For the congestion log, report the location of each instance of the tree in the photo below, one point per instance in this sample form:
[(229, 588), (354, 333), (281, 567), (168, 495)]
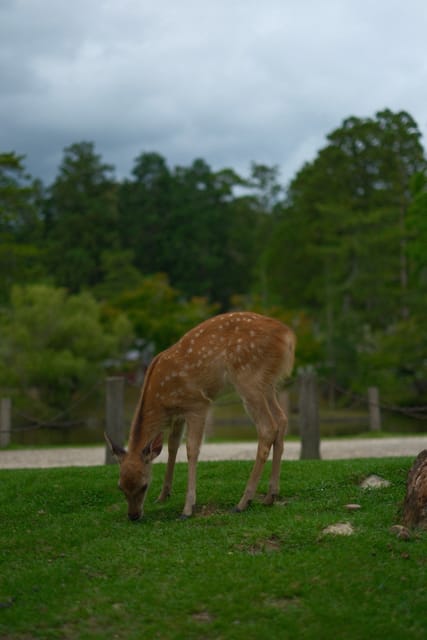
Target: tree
[(158, 312), (395, 358), (118, 274), (341, 247), (54, 344), (189, 224), (265, 187), (20, 224), (416, 241), (199, 258), (81, 218), (265, 201), (145, 208)]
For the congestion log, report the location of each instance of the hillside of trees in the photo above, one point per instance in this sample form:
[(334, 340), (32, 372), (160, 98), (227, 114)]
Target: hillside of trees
[(92, 267)]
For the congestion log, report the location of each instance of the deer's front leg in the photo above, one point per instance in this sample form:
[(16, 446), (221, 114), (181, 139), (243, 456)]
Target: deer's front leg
[(195, 429), (173, 445)]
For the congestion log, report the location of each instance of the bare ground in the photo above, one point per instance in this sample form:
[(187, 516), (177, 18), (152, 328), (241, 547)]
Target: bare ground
[(330, 449)]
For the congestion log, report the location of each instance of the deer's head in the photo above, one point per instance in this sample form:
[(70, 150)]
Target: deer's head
[(135, 473)]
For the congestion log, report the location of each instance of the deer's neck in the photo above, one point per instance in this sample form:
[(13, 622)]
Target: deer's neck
[(146, 425), (149, 418)]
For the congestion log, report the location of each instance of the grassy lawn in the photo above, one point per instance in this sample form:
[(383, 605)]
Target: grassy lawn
[(72, 566)]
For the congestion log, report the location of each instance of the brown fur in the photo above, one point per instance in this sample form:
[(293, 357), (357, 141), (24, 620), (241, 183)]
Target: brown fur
[(250, 351)]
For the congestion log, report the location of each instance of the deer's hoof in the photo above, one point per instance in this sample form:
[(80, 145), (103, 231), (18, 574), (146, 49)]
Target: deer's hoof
[(240, 508), (163, 497)]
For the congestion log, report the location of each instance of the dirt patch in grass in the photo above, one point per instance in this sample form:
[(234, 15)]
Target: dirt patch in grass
[(271, 544), (285, 603), (203, 617), (208, 510)]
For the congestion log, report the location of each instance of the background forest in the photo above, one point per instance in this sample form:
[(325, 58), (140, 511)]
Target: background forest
[(94, 270)]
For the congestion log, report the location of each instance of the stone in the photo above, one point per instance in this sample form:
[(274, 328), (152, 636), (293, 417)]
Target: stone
[(374, 482)]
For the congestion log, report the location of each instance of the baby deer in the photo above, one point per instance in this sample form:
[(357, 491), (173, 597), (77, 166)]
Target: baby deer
[(248, 350)]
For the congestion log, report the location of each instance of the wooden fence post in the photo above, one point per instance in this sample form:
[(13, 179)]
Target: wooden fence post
[(309, 416), (374, 409), (114, 412), (5, 421)]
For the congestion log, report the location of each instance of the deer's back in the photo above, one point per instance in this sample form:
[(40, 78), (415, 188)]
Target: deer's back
[(240, 348)]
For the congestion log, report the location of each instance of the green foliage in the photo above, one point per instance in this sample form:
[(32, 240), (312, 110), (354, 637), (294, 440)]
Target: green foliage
[(344, 220), (73, 566), (417, 242), (188, 223), (340, 255), (158, 313), (118, 274), (20, 225), (341, 249), (81, 218), (17, 212), (395, 360), (54, 343)]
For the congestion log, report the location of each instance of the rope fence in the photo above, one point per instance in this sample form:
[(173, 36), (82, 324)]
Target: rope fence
[(308, 401)]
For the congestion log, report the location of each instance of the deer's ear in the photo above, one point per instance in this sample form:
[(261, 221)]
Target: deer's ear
[(117, 451), (153, 448)]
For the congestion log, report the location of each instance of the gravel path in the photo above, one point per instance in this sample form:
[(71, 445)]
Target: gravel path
[(330, 449)]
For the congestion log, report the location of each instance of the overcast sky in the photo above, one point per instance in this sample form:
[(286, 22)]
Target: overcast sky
[(230, 81)]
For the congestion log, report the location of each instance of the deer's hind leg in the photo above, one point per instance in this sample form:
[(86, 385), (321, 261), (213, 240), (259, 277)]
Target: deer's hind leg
[(174, 440), (270, 431), (281, 421)]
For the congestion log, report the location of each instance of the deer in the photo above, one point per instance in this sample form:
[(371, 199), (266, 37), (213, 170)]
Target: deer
[(253, 352)]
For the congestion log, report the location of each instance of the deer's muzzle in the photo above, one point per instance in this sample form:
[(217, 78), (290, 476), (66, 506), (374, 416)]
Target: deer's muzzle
[(134, 516)]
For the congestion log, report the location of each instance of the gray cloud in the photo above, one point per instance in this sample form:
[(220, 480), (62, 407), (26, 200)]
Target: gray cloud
[(232, 81)]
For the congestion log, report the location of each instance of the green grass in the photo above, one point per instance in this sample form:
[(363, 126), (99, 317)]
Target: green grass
[(72, 566)]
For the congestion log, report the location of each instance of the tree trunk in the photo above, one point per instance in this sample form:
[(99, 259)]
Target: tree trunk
[(415, 504)]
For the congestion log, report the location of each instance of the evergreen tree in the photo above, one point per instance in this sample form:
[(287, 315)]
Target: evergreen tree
[(81, 218), (145, 204), (341, 247), (189, 224), (20, 224)]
